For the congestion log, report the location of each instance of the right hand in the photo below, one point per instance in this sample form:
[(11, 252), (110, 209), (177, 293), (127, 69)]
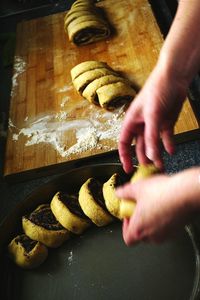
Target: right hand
[(151, 115)]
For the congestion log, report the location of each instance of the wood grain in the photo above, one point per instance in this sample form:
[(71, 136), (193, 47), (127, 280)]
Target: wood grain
[(43, 96)]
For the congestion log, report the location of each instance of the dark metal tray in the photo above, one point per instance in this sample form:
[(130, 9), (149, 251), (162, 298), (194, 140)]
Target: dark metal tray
[(97, 264)]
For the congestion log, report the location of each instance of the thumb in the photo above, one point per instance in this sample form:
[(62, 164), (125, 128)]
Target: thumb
[(127, 191)]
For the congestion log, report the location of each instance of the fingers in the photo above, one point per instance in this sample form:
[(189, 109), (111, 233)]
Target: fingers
[(140, 150), (168, 142), (152, 141), (128, 133)]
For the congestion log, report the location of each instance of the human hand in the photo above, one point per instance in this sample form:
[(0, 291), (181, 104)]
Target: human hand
[(152, 115), (163, 204)]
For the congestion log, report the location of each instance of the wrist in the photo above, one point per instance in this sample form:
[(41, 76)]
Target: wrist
[(188, 192)]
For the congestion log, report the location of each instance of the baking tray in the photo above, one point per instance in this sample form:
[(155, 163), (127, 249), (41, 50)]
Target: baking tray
[(97, 264)]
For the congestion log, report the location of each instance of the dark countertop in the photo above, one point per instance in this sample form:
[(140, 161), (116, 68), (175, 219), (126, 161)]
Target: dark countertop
[(187, 154)]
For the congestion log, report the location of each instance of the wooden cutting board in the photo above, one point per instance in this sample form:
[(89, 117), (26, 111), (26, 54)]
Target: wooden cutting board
[(49, 122)]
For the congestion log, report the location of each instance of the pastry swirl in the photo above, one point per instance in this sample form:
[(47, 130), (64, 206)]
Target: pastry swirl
[(93, 204), (27, 253), (42, 226), (68, 212)]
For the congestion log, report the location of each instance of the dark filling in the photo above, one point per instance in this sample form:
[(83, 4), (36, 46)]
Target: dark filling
[(84, 35), (95, 188), (118, 101), (118, 181), (71, 202), (45, 218), (26, 242)]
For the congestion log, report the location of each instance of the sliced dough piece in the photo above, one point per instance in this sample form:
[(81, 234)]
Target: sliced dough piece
[(127, 206), (111, 200), (75, 15), (90, 91), (82, 2), (82, 19), (87, 66), (42, 226), (84, 79), (88, 32), (93, 204), (26, 253), (68, 212), (115, 94)]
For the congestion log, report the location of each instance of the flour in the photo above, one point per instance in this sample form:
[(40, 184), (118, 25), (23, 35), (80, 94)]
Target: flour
[(88, 133), (65, 88), (19, 67), (70, 258)]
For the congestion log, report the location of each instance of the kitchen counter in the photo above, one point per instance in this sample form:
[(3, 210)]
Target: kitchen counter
[(187, 154)]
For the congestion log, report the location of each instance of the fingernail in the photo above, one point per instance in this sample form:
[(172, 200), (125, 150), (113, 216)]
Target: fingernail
[(150, 153)]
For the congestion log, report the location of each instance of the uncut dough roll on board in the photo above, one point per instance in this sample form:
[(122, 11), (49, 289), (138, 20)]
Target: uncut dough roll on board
[(88, 26), (68, 212), (93, 204), (27, 253), (42, 226), (101, 85)]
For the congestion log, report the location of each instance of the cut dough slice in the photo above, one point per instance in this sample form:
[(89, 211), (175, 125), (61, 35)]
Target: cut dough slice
[(68, 212), (26, 253), (127, 206), (87, 66), (90, 91), (115, 94), (83, 19), (75, 15), (85, 78), (42, 226), (111, 200), (88, 32), (82, 2), (93, 204)]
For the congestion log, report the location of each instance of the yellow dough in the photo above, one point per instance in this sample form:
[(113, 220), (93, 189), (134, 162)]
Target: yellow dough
[(115, 94), (93, 204), (101, 85), (88, 25), (86, 66), (90, 91), (42, 226), (143, 171), (81, 82), (68, 212), (111, 200), (26, 253)]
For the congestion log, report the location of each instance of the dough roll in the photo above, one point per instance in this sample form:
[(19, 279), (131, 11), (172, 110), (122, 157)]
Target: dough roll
[(84, 79), (85, 23), (115, 94)]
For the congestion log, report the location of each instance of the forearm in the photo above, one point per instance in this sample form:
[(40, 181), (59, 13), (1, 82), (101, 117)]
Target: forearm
[(188, 189), (180, 55)]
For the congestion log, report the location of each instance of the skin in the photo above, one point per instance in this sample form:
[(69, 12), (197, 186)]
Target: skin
[(151, 116)]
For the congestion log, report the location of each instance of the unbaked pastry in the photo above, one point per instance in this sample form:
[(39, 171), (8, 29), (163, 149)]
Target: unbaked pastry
[(88, 26), (26, 253), (115, 94), (93, 204), (111, 200), (101, 85), (68, 212), (81, 82), (87, 66), (90, 91), (42, 226), (127, 206)]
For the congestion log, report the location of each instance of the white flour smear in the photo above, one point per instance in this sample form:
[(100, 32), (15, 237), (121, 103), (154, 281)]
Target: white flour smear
[(18, 68), (87, 133)]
